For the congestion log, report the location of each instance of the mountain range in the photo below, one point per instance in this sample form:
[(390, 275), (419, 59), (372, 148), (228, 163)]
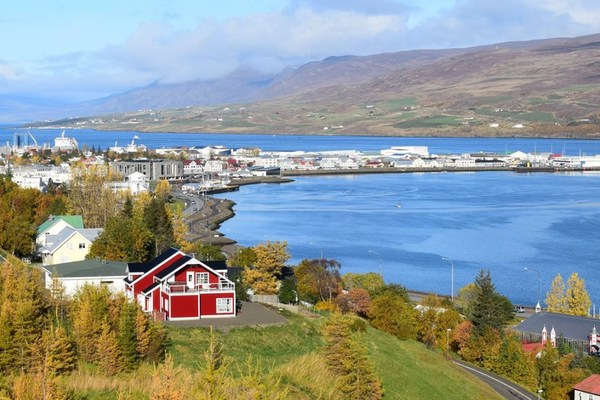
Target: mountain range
[(539, 87)]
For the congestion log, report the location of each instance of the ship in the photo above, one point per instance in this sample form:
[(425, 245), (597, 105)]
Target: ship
[(130, 148), (65, 143)]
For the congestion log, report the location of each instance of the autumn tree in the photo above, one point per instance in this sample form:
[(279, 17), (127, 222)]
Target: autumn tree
[(577, 297), (356, 301), (370, 281), (392, 313), (318, 279), (24, 313), (434, 318), (90, 195), (346, 357), (243, 257), (555, 298), (270, 259)]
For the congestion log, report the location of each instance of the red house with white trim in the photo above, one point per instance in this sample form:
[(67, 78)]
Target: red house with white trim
[(175, 286)]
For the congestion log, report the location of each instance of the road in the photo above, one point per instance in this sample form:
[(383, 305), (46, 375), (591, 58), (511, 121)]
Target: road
[(505, 388)]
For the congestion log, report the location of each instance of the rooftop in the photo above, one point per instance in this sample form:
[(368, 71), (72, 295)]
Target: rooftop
[(88, 268), (567, 326), (591, 385)]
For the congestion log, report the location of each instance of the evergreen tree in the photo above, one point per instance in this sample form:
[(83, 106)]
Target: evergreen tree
[(61, 357), (158, 222), (127, 335), (555, 298), (490, 309), (578, 299), (288, 292)]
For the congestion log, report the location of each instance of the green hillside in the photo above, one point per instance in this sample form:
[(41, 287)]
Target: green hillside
[(407, 368)]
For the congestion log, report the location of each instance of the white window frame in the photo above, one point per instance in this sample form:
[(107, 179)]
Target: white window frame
[(202, 279), (224, 305)]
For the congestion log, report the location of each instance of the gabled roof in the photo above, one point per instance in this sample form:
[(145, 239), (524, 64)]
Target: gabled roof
[(150, 288), (567, 326), (216, 265), (173, 267), (141, 268), (591, 384), (53, 242), (75, 221), (88, 269)]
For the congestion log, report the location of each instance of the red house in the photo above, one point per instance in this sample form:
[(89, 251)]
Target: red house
[(175, 286)]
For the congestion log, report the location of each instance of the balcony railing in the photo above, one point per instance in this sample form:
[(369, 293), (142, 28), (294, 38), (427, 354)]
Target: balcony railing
[(182, 287)]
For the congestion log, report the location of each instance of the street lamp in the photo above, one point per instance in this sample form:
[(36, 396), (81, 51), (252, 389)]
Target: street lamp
[(447, 341), (451, 277), (379, 255), (538, 307), (321, 247)]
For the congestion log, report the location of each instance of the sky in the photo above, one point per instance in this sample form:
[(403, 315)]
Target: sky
[(73, 50)]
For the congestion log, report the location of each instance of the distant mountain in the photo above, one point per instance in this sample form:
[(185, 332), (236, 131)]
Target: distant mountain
[(557, 78)]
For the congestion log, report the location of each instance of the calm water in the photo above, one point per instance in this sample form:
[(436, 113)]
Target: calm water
[(497, 220), (103, 140)]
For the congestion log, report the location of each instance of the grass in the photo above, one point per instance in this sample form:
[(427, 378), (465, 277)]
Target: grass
[(435, 121), (407, 368)]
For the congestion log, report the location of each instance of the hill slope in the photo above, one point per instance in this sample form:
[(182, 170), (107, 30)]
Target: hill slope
[(548, 87)]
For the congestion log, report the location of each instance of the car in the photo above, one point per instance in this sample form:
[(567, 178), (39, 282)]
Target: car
[(519, 309)]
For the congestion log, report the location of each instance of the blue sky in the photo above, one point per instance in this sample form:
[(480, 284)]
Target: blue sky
[(77, 50)]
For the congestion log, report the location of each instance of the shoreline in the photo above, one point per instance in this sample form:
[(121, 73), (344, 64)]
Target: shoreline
[(205, 224)]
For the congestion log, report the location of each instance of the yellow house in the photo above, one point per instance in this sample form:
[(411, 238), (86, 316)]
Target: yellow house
[(68, 245)]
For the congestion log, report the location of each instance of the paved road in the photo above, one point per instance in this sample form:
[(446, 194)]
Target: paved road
[(252, 314), (506, 389)]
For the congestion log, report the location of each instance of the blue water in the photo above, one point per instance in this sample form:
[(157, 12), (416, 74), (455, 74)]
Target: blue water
[(501, 221), (104, 139)]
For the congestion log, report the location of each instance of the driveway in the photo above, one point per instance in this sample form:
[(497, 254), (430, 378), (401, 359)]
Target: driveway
[(252, 314)]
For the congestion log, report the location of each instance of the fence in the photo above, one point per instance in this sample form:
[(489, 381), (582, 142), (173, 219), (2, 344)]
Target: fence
[(272, 300)]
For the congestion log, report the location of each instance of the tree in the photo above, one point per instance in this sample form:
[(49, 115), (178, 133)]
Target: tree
[(158, 222), (244, 257), (370, 281), (578, 299), (346, 358), (288, 291), (208, 252), (357, 301), (318, 279), (270, 259), (490, 309), (555, 298), (391, 313)]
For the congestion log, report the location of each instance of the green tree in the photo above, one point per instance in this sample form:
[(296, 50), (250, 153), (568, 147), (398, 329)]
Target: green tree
[(288, 291), (578, 299), (555, 298), (208, 252), (243, 257), (127, 334), (158, 222), (491, 310), (515, 364)]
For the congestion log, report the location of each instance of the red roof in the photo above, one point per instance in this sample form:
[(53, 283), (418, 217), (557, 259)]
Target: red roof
[(533, 348), (591, 385)]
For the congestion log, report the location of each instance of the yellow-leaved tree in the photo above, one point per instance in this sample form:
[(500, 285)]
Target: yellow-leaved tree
[(578, 299), (555, 298), (270, 259)]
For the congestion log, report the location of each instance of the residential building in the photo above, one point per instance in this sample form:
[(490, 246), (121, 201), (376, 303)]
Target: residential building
[(176, 286), (73, 275), (68, 245), (54, 224), (154, 170), (587, 389)]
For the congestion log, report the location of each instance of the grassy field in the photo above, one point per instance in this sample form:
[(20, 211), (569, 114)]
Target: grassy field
[(407, 368)]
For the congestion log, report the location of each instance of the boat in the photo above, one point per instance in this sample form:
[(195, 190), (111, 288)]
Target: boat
[(398, 205), (130, 148), (65, 143)]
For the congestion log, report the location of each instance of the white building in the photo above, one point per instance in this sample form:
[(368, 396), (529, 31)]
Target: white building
[(73, 275), (214, 166)]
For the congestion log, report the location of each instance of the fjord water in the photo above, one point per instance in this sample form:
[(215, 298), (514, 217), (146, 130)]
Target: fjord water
[(500, 221)]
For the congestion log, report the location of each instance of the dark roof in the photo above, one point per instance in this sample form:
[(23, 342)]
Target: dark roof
[(151, 288), (567, 326), (173, 267), (215, 265), (147, 266), (88, 269)]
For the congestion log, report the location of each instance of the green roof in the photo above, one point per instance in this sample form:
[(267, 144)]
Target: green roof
[(76, 222), (88, 269)]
